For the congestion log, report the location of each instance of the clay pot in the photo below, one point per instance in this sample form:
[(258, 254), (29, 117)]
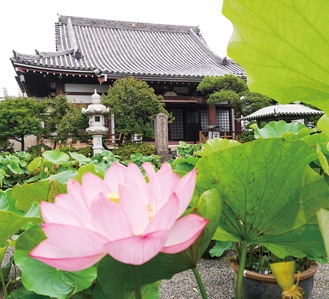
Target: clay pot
[(262, 286)]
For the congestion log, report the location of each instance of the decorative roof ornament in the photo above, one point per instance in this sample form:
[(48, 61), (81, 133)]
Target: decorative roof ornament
[(73, 40), (96, 98)]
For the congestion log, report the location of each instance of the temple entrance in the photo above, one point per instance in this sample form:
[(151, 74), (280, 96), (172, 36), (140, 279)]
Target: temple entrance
[(192, 126), (186, 125)]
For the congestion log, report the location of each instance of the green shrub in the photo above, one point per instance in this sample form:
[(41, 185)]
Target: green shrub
[(139, 159), (246, 136), (5, 145), (67, 149), (86, 151), (126, 150), (36, 150), (184, 149)]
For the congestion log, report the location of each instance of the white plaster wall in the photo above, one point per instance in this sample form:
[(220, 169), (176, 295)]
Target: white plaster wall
[(29, 141)]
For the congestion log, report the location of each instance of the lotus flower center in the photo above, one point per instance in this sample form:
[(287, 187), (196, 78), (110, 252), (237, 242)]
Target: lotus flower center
[(114, 196)]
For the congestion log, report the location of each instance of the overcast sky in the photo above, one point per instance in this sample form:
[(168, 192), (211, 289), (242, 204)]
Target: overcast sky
[(27, 25)]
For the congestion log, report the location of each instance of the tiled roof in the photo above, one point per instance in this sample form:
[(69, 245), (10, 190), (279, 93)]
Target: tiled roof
[(282, 110), (129, 48)]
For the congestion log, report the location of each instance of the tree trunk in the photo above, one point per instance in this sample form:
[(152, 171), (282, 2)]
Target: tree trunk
[(22, 143)]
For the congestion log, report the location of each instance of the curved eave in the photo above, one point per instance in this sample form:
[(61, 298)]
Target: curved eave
[(112, 75), (36, 68), (278, 115)]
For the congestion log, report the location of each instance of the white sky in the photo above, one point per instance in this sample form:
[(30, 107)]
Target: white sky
[(27, 25)]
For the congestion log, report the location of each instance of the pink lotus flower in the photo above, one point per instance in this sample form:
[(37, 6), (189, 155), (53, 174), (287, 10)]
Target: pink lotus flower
[(124, 215)]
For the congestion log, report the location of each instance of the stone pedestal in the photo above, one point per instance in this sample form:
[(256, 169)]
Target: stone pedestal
[(97, 144)]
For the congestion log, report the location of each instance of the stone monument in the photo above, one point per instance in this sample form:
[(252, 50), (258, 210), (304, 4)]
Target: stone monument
[(96, 111), (161, 136)]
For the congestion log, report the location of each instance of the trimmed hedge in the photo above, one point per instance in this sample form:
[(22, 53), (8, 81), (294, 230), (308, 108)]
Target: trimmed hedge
[(126, 150)]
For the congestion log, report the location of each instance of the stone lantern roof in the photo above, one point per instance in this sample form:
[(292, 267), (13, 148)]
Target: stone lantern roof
[(96, 106)]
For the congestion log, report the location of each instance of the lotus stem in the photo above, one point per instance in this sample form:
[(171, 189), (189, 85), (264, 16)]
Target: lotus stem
[(200, 283), (242, 263), (4, 287), (137, 284)]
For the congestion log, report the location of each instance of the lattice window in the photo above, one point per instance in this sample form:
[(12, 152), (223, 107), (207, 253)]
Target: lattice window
[(223, 119), (204, 119), (176, 129)]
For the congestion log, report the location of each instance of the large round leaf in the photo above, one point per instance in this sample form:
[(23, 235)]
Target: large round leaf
[(45, 280), (56, 156), (10, 223), (269, 193), (283, 47), (323, 218), (25, 195)]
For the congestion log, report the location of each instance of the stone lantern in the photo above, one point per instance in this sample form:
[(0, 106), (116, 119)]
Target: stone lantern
[(96, 111)]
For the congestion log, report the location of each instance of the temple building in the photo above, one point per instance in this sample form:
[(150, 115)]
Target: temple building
[(92, 53)]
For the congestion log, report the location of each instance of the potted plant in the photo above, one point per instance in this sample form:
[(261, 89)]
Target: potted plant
[(270, 196), (259, 280), (260, 260)]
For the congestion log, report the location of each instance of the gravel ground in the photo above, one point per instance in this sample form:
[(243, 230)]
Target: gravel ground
[(219, 282), (218, 278)]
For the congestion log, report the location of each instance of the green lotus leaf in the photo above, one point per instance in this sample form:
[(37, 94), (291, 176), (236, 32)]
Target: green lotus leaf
[(23, 155), (43, 279), (10, 224), (4, 205), (82, 159), (63, 176), (184, 165), (35, 164), (93, 168), (26, 194), (22, 293), (268, 191), (323, 124), (217, 144), (220, 247), (280, 128), (14, 167), (283, 47), (323, 218), (56, 156)]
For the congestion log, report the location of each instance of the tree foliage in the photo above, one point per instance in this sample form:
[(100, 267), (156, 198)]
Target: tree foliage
[(211, 84), (250, 102), (65, 119), (224, 96), (20, 117), (134, 105), (57, 108), (74, 124), (233, 90)]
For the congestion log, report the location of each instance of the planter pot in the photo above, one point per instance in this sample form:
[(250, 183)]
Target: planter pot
[(261, 286)]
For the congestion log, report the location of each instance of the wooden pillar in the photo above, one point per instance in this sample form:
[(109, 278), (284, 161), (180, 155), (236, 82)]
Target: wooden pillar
[(238, 127), (60, 89), (211, 114)]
